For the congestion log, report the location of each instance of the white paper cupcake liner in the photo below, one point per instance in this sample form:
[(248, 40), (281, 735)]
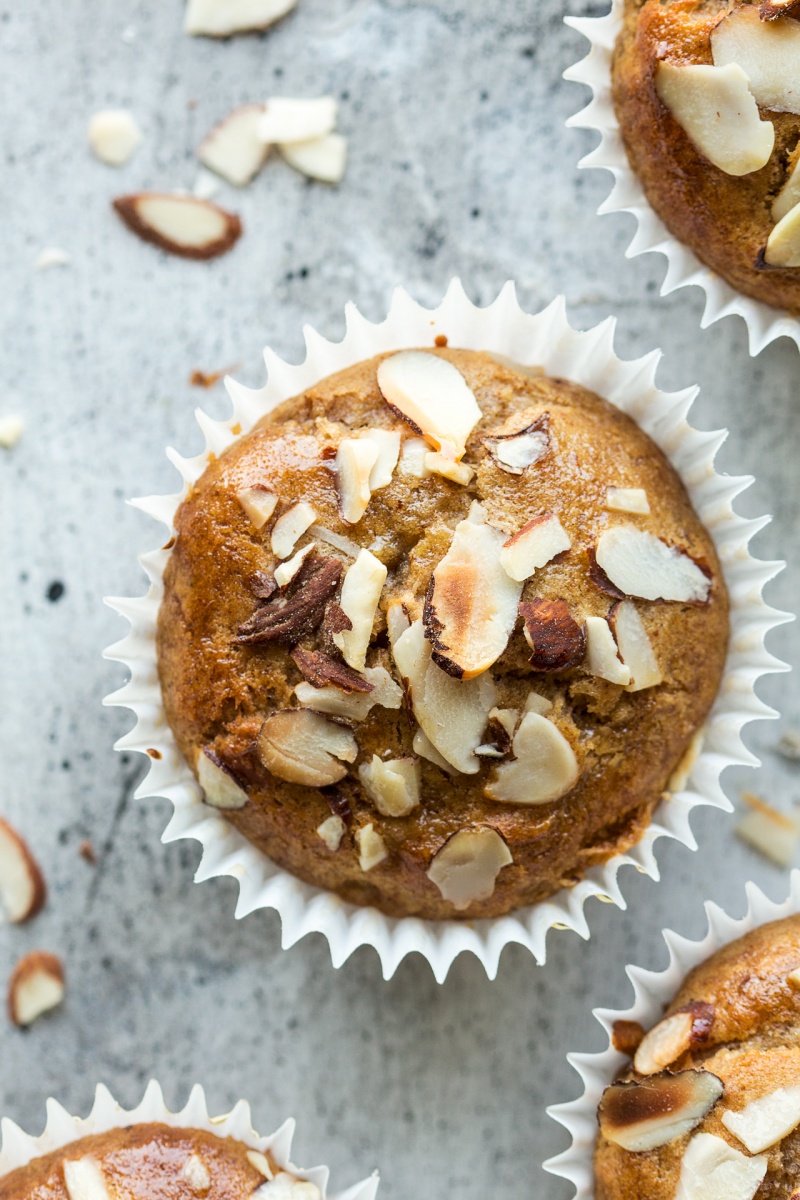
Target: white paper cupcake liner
[(653, 990), (19, 1148), (684, 269), (545, 340)]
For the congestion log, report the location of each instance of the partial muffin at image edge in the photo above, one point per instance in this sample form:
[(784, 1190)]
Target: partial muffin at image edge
[(437, 633), (708, 101), (711, 1098)]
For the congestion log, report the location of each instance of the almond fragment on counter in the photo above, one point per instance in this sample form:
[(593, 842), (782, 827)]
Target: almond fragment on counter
[(290, 527), (432, 396), (630, 500), (286, 119), (353, 706), (634, 645), (84, 1179), (466, 867), (766, 52), (180, 224), (642, 565), (232, 149), (332, 831), (287, 571), (673, 1036), (642, 1115), (602, 655), (301, 746), (11, 429), (515, 452), (355, 460), (361, 591), (223, 18), (54, 256), (371, 847), (557, 640), (712, 1168), (322, 158), (36, 986), (259, 502), (113, 136), (544, 769), (774, 834), (22, 887), (221, 788), (534, 546), (765, 1121), (392, 784)]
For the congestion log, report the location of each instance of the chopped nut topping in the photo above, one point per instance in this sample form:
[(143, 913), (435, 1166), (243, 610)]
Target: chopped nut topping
[(639, 564), (195, 1172), (437, 463), (290, 527), (466, 867), (285, 573), (258, 502), (710, 1163), (356, 459), (361, 592), (392, 786), (84, 1179), (332, 831), (352, 706), (631, 500), (432, 396), (534, 546), (642, 1115), (371, 847), (298, 611), (557, 640), (260, 1162), (221, 788), (602, 655), (626, 1037), (302, 747), (319, 668), (515, 452), (544, 769), (765, 1121), (667, 1041), (634, 645)]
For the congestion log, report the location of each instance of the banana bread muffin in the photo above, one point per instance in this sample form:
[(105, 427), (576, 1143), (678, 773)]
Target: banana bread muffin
[(710, 1106), (149, 1160), (436, 634), (707, 93)]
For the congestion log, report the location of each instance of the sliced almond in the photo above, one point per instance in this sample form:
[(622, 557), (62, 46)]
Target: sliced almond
[(113, 136), (640, 1116), (507, 718), (397, 621), (221, 788), (765, 1121), (537, 704), (793, 979), (290, 120), (332, 831), (413, 454), (322, 158), (602, 655), (388, 443), (432, 396), (640, 564), (635, 647), (371, 847), (770, 10), (261, 1163), (287, 571), (437, 463), (22, 887), (789, 195), (180, 224), (353, 706), (471, 607), (452, 713), (713, 1170), (345, 544), (392, 785), (673, 1036), (355, 461), (424, 748), (544, 769), (631, 500), (465, 869), (290, 527), (84, 1179), (195, 1172), (223, 18), (557, 640), (783, 244), (302, 747), (766, 52), (774, 834), (259, 502), (36, 986), (515, 452), (233, 149), (361, 592), (715, 107), (534, 546)]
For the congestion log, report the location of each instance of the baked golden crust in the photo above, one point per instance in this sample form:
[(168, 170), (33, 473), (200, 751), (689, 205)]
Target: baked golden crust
[(725, 220), (217, 693), (753, 1046)]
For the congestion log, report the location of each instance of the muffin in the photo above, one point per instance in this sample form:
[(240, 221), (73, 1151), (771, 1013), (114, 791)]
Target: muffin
[(436, 634), (707, 94), (153, 1159), (710, 1105)]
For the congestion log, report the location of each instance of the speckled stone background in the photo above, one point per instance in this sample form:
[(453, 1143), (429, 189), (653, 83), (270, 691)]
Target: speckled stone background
[(460, 164)]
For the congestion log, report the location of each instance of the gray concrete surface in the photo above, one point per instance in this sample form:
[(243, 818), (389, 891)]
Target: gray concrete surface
[(460, 163)]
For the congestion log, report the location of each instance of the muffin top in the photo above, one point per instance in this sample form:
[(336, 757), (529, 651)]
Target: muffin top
[(712, 1097), (403, 640), (145, 1161), (707, 93)]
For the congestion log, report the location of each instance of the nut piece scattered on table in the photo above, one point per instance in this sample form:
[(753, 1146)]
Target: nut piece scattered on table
[(113, 136), (22, 887), (36, 986), (224, 18), (180, 224)]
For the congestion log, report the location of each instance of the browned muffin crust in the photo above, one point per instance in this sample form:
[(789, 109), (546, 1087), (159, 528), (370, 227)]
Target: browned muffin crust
[(751, 1043), (725, 220), (217, 692)]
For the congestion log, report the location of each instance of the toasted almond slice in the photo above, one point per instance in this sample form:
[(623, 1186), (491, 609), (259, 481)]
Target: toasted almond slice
[(424, 748), (544, 769), (466, 867), (180, 224), (765, 1121), (767, 53), (631, 500), (774, 834), (223, 18), (673, 1036), (355, 461), (36, 986), (789, 195), (296, 120), (533, 546), (232, 148), (322, 158), (437, 463), (640, 1116), (290, 527), (84, 1179), (635, 647), (285, 573), (392, 785), (602, 657), (515, 452), (353, 706), (371, 847), (471, 607), (537, 704), (432, 396), (716, 109), (557, 640), (259, 502), (22, 887), (195, 1172), (713, 1170), (361, 592), (113, 136), (783, 244), (640, 564), (300, 746), (413, 453), (221, 788), (388, 443), (332, 831), (770, 10), (452, 713)]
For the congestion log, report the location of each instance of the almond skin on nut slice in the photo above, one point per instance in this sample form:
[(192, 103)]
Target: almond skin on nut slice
[(515, 452), (466, 867), (223, 18), (299, 610), (544, 768), (602, 653), (361, 591), (36, 986), (432, 396), (232, 148), (634, 646), (770, 10), (353, 706), (641, 1115), (557, 640), (767, 52), (22, 887), (713, 1170), (667, 1041), (640, 564), (221, 788), (471, 606), (300, 746), (534, 546), (180, 224)]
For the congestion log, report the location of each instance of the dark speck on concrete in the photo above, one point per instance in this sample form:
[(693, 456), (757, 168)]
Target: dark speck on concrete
[(55, 591)]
